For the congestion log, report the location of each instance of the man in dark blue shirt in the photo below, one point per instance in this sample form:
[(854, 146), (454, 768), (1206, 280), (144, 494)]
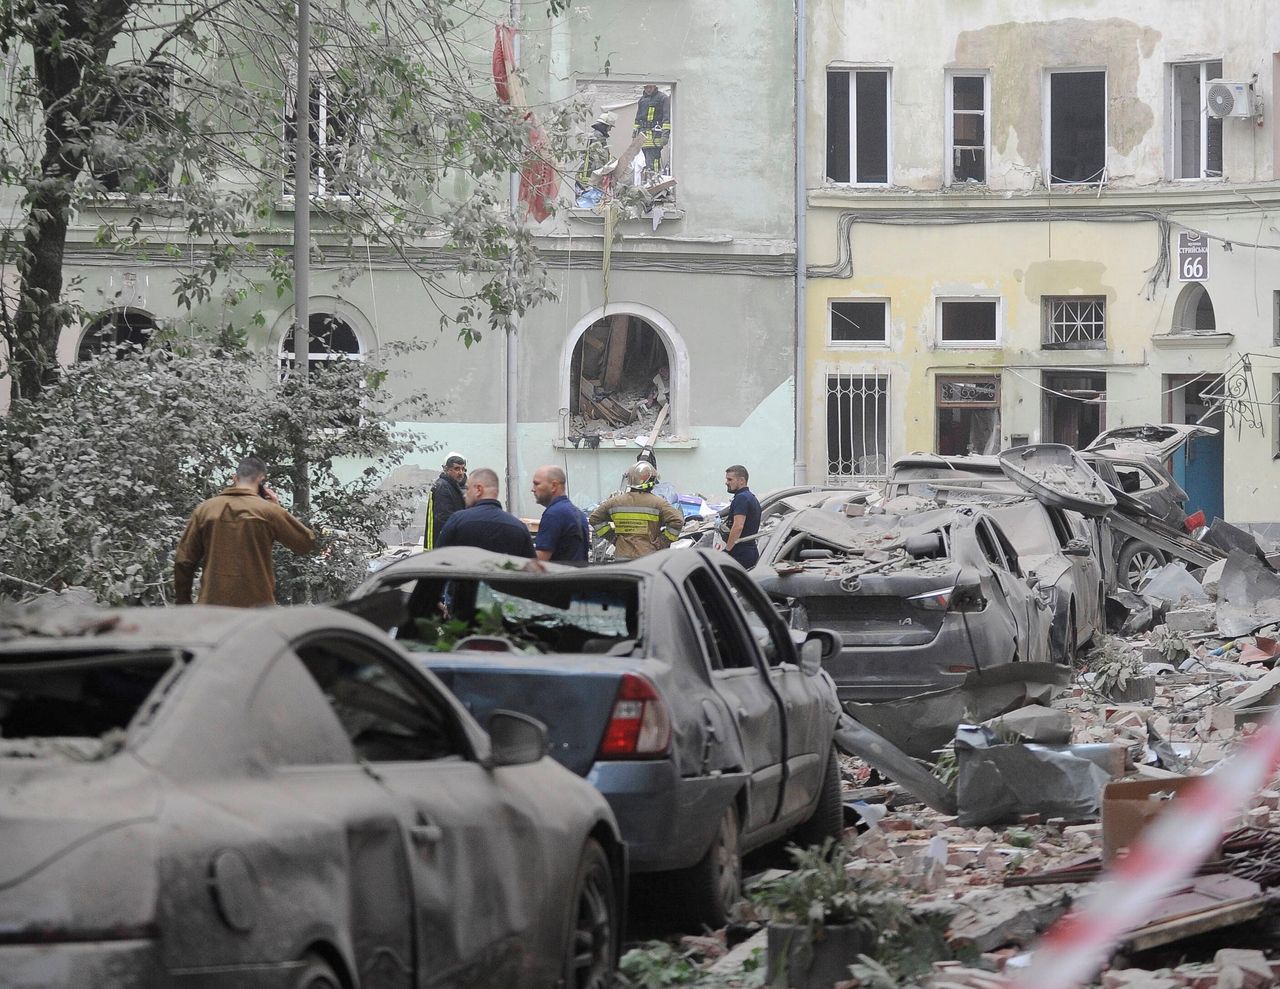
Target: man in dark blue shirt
[(483, 523), (562, 532), (744, 517)]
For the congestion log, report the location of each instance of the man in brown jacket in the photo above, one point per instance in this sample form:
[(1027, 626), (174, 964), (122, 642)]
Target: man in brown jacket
[(230, 536), (637, 521)]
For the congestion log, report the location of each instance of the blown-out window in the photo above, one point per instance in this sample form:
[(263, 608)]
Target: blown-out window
[(333, 135), (858, 126), (1077, 127), (968, 135), (968, 415)]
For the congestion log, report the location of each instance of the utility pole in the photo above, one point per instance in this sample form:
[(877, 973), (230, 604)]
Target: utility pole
[(302, 238), (512, 352)]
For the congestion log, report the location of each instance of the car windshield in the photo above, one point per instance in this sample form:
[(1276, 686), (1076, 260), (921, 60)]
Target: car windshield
[(1028, 527), (532, 614), (78, 705)]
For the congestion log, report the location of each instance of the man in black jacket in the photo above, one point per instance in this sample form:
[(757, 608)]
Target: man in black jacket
[(445, 498), (483, 523), (653, 123)]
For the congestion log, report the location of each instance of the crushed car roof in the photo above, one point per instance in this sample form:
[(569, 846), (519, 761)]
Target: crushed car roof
[(42, 623)]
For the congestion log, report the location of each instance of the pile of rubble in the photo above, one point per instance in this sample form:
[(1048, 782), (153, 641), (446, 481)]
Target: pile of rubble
[(1002, 824)]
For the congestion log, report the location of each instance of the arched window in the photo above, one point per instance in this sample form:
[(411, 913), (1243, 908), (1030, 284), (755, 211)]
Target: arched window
[(1193, 312), (620, 377), (331, 339), (119, 328)]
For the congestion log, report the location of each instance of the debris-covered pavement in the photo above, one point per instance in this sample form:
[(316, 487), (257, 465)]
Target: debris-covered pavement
[(1042, 784)]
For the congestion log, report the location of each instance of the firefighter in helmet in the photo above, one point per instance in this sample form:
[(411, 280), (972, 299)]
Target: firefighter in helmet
[(637, 521)]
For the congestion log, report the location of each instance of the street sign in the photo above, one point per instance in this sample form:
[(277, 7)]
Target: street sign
[(1193, 257)]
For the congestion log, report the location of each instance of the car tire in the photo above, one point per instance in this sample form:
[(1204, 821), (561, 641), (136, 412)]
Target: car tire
[(1136, 558), (316, 973), (591, 943), (827, 820), (706, 891)]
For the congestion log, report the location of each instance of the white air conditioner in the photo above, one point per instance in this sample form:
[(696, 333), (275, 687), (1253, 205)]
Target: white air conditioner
[(1229, 99)]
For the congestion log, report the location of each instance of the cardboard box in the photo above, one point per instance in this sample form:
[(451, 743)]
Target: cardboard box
[(1127, 809)]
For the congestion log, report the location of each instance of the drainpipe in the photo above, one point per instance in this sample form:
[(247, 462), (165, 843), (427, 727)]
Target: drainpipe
[(512, 335), (801, 468)]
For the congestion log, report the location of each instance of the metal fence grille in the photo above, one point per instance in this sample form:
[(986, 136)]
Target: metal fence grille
[(1078, 322), (857, 426)]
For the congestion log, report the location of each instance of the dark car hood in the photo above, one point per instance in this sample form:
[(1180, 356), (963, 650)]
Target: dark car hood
[(48, 808)]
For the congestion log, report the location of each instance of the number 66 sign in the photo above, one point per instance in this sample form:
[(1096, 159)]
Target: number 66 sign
[(1193, 257)]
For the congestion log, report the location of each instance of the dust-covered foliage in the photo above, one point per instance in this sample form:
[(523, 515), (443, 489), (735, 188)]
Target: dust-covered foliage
[(98, 477)]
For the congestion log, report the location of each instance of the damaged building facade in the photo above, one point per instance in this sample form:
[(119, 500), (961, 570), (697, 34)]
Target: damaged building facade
[(1031, 224)]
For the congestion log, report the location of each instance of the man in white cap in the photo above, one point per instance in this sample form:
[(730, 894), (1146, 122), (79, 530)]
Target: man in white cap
[(445, 498)]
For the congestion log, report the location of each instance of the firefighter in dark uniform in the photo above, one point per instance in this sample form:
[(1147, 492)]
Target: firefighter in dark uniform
[(597, 153), (653, 123)]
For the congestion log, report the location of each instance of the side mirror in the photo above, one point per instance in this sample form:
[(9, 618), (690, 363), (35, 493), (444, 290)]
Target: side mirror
[(1076, 547), (820, 646), (516, 739)]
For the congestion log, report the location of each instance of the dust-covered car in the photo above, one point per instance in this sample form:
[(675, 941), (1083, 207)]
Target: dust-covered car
[(920, 599), (669, 682), (217, 797)]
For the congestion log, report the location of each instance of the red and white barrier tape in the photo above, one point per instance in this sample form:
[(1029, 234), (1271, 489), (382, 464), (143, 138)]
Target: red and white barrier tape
[(1167, 853)]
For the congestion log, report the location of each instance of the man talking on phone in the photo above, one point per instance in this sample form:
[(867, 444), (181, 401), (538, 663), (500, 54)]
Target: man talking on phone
[(229, 539)]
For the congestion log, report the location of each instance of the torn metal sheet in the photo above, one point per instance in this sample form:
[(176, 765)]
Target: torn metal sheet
[(1248, 595), (997, 781), (922, 724), (887, 759), (1056, 475), (1033, 723)]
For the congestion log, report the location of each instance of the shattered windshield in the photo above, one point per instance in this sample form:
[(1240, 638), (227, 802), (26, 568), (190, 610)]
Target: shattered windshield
[(78, 705)]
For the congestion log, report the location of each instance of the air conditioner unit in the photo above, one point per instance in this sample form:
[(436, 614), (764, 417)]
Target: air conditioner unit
[(1229, 99)]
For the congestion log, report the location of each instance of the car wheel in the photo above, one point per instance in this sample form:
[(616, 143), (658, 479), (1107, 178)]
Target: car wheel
[(708, 889), (316, 973), (1136, 560), (591, 946), (828, 817)]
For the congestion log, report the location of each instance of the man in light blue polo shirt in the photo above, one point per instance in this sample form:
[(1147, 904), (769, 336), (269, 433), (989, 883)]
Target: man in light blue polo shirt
[(562, 531)]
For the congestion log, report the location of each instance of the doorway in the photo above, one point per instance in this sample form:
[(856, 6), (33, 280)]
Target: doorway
[(1197, 467), (1074, 407)]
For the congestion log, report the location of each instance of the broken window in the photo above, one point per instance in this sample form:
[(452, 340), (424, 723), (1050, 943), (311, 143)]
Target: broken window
[(1073, 410), (125, 155), (858, 126), (1193, 312), (1074, 322), (1197, 138), (124, 329), (629, 141), (333, 134), (859, 321), (857, 426), (967, 136), (620, 378), (968, 415), (331, 339), (1077, 127), (969, 322)]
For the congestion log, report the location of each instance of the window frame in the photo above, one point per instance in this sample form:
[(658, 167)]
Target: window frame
[(848, 72), (286, 357), (949, 148), (1047, 304), (883, 383), (1175, 124), (939, 403), (994, 344), (834, 344), (1047, 118), (324, 84)]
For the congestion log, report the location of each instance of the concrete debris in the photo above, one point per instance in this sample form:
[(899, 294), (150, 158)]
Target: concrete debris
[(1171, 585), (987, 919), (1248, 596), (1213, 578), (1198, 619), (1033, 723)]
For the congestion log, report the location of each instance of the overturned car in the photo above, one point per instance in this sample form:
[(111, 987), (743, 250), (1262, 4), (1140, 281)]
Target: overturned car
[(920, 598)]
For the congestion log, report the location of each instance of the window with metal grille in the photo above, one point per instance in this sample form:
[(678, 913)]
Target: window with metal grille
[(1076, 322), (857, 426)]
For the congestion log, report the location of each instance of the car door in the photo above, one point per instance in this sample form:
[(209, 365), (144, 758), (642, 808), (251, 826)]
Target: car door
[(740, 678), (806, 722), (475, 866), (1086, 569), (1038, 610), (1000, 586)]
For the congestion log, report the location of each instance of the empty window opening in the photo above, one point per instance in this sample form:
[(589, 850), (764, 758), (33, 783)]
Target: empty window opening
[(1197, 137), (969, 321), (333, 136), (331, 339), (1077, 127), (858, 126), (1074, 322), (968, 415), (128, 153), (857, 426), (1193, 312), (1074, 406), (859, 321), (124, 330), (620, 378), (967, 123)]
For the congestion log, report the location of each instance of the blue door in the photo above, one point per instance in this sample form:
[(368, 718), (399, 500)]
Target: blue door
[(1198, 468)]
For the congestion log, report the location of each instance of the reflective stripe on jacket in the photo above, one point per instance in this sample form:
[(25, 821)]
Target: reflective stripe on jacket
[(653, 119), (638, 522)]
